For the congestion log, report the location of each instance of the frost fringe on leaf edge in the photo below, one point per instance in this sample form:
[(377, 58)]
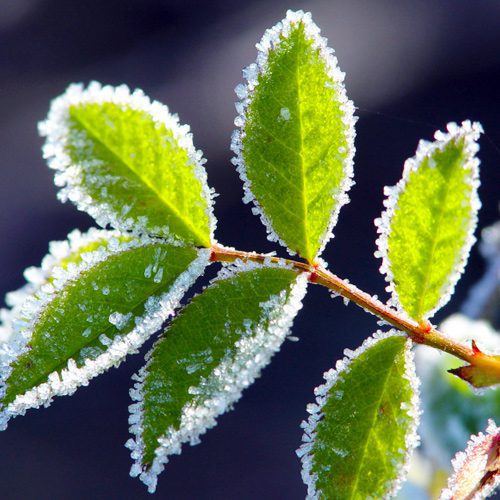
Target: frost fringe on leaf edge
[(244, 91), (461, 458), (38, 276), (158, 309), (412, 439), (470, 132), (195, 421), (68, 177)]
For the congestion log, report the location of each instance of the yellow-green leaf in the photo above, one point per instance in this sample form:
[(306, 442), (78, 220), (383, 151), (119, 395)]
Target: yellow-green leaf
[(296, 139), (129, 163), (427, 229)]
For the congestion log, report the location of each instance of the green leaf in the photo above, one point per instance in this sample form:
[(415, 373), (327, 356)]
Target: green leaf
[(427, 228), (87, 311), (127, 162), (477, 469), (362, 428), (62, 254), (214, 349), (296, 139)]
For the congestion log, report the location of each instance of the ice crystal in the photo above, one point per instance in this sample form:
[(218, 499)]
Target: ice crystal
[(477, 469), (25, 313)]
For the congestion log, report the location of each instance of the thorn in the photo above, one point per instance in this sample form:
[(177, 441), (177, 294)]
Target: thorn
[(313, 277), (213, 254), (476, 376), (475, 348)]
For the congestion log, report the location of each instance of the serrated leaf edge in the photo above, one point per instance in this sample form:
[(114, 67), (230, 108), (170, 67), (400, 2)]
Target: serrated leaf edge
[(342, 366), (461, 458), (158, 309), (230, 379), (244, 91), (69, 176), (470, 132)]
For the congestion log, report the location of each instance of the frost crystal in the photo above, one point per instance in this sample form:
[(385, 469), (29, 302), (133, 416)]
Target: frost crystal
[(270, 41), (321, 392), (70, 176), (477, 470), (285, 114), (222, 388), (229, 269), (31, 301), (469, 132)]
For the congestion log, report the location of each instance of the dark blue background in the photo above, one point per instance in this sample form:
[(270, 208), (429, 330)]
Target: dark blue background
[(411, 67)]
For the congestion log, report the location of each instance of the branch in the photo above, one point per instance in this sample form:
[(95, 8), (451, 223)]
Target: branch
[(487, 366)]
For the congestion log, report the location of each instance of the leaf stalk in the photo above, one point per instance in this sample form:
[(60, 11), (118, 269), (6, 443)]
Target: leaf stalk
[(421, 333)]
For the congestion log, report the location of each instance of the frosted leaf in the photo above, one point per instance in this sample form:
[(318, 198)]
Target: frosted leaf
[(198, 370), (362, 427), (477, 469), (61, 254), (127, 161), (279, 123), (63, 333), (426, 230)]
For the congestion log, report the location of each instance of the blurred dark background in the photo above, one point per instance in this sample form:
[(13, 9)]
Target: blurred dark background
[(411, 67)]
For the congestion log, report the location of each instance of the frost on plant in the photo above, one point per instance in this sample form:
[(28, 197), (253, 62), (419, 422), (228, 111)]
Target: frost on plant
[(427, 229), (193, 376), (79, 320), (293, 134), (99, 296), (362, 427), (128, 162), (477, 469)]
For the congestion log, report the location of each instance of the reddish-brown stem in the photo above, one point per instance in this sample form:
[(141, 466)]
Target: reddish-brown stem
[(421, 333)]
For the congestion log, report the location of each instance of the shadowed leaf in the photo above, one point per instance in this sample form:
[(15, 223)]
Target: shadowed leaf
[(362, 428), (89, 314), (214, 349)]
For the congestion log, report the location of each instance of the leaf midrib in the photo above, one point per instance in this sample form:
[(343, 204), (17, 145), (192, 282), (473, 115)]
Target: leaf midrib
[(185, 222), (307, 252)]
